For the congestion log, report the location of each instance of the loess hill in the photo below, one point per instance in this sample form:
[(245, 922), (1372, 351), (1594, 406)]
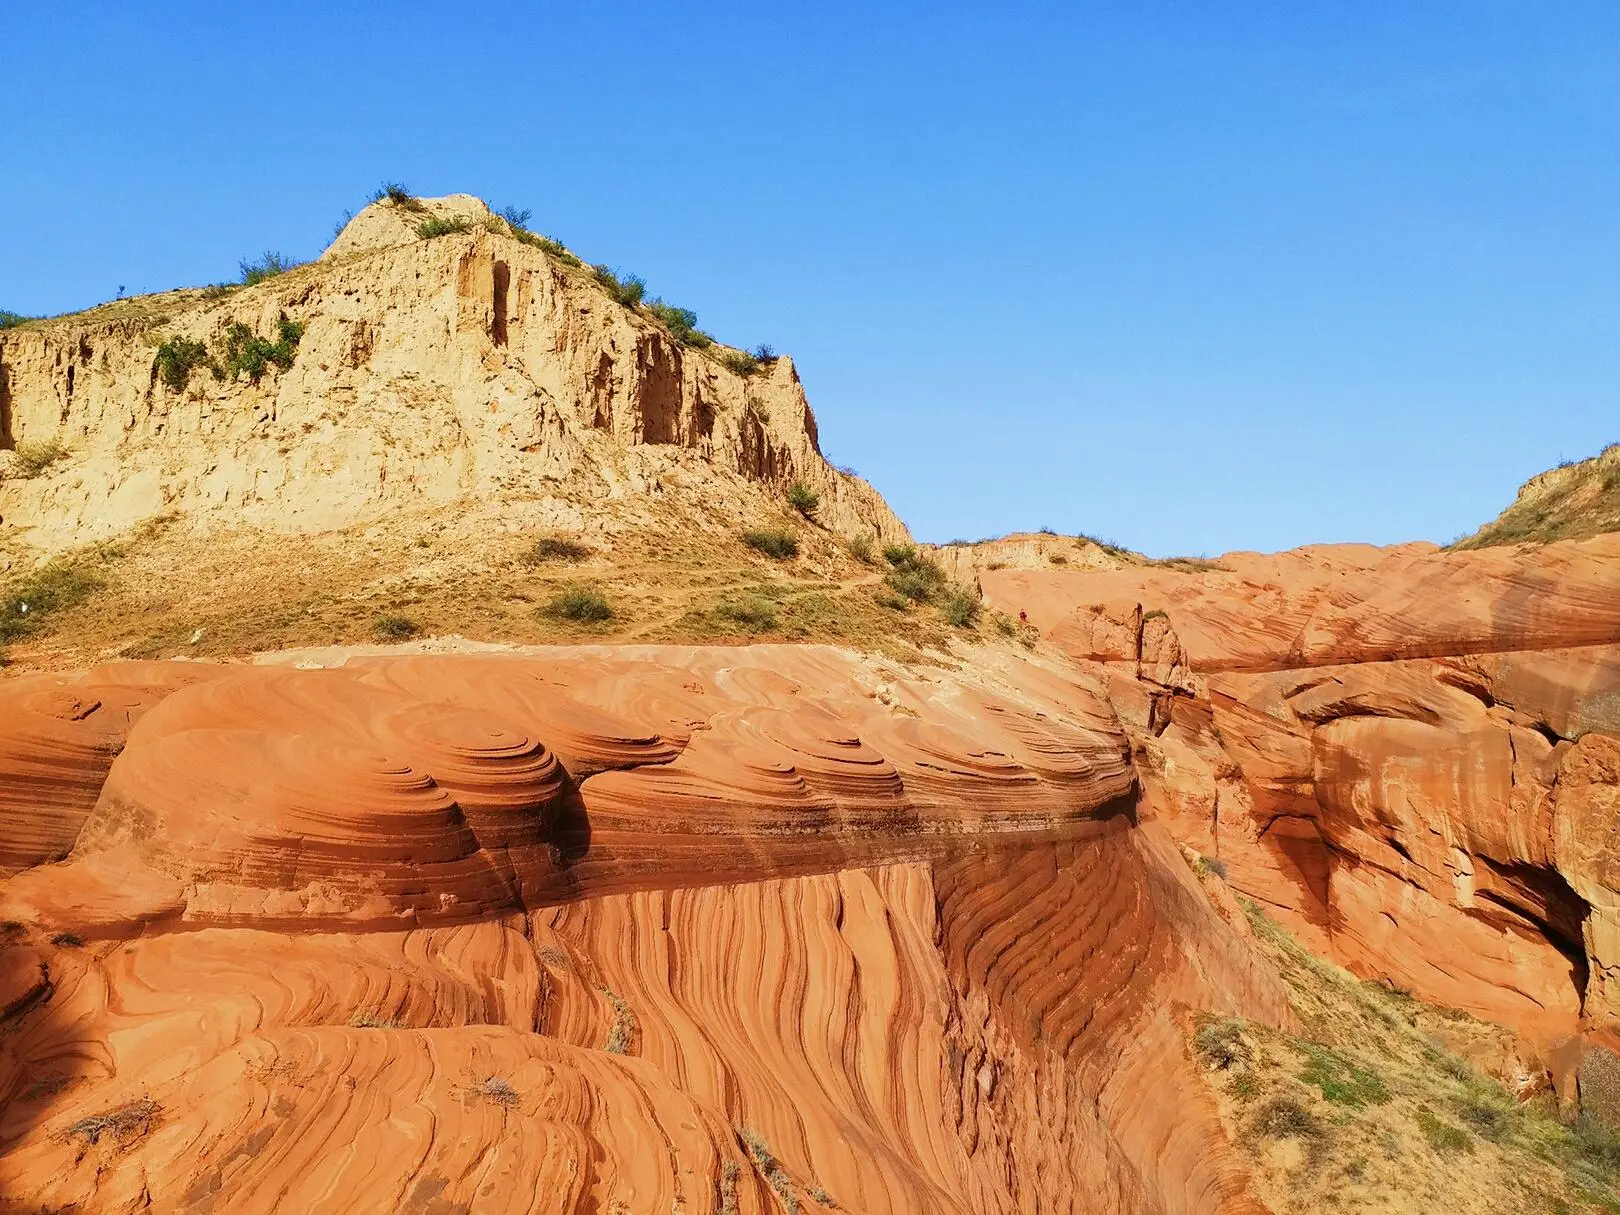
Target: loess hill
[(1275, 883)]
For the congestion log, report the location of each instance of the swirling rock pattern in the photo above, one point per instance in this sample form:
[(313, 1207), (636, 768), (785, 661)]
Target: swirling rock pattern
[(1400, 751), (604, 931)]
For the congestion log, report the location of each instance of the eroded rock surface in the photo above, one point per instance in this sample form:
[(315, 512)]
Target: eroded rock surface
[(610, 930), (1409, 754)]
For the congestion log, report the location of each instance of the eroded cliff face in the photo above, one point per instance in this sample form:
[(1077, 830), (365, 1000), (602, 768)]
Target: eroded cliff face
[(607, 930), (469, 366), (1409, 755)]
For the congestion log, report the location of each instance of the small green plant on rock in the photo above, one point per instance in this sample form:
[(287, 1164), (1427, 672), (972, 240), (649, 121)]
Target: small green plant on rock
[(627, 289), (740, 362), (246, 353), (681, 323), (440, 225), (803, 499), (176, 359), (268, 266)]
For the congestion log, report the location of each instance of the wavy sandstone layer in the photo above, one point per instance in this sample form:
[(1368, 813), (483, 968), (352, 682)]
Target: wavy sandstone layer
[(697, 930), (1411, 755)]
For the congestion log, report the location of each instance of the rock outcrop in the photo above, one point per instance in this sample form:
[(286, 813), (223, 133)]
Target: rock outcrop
[(1406, 753), (472, 366)]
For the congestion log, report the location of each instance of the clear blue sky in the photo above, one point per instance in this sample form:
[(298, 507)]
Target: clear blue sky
[(1191, 276)]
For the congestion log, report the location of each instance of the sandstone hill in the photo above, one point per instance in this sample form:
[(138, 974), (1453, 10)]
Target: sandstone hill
[(1268, 883), (476, 363)]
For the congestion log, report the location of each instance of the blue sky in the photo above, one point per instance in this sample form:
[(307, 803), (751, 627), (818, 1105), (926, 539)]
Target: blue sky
[(1191, 277)]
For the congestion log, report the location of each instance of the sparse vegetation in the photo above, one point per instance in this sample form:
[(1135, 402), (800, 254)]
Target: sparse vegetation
[(27, 602), (392, 626), (770, 1168), (739, 361), (803, 499), (124, 1123), (861, 549), (773, 543), (681, 323), (1577, 500), (911, 574), (246, 353), (1442, 1136), (497, 1091), (765, 353), (627, 289), (375, 1020), (1189, 565), (9, 320), (623, 1028), (68, 940), (556, 548), (1369, 1080), (1341, 1080), (443, 225), (398, 195), (34, 456), (176, 359), (754, 614), (959, 605), (1107, 546), (269, 265), (580, 604)]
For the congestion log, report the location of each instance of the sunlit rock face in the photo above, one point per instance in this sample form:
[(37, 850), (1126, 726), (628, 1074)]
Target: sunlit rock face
[(1406, 753), (610, 930)]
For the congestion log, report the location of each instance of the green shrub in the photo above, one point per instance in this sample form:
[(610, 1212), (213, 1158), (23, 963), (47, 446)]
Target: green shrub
[(268, 266), (1445, 1139), (764, 353), (960, 606), (627, 289), (554, 548), (176, 359), (740, 361), (68, 940), (681, 323), (440, 225), (778, 544), (1005, 626), (803, 499), (398, 195), (861, 549), (247, 352), (27, 602), (11, 319), (888, 599), (754, 614), (581, 604), (392, 626), (34, 456), (913, 584), (517, 220)]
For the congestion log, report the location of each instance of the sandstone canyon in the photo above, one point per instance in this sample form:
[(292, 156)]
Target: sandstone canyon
[(1267, 883)]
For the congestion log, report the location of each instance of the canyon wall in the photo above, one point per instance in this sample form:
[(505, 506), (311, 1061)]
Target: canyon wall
[(1408, 755)]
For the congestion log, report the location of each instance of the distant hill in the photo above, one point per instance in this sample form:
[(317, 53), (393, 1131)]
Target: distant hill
[(1569, 502)]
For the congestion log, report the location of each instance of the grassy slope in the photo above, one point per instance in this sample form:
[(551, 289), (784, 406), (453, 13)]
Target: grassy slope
[(1372, 1108), (1569, 503), (168, 591)]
